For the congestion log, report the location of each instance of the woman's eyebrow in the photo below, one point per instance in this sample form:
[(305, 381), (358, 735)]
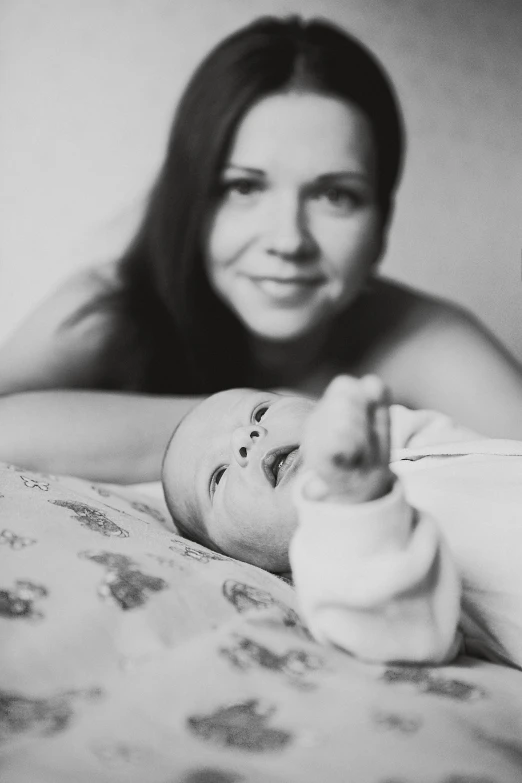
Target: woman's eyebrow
[(361, 177), (330, 176), (243, 169)]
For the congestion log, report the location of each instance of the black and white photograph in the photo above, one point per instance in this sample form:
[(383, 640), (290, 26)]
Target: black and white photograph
[(261, 391)]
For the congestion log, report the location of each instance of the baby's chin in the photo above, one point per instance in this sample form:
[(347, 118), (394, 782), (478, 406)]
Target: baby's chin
[(264, 548), (193, 534), (277, 564)]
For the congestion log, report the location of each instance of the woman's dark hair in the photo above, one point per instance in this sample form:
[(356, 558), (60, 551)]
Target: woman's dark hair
[(172, 334)]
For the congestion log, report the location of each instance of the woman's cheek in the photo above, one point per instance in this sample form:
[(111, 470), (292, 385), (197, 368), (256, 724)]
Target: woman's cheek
[(230, 234), (355, 249), (218, 243), (370, 234)]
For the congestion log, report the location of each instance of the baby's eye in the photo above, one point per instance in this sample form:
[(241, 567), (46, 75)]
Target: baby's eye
[(259, 412), (216, 478)]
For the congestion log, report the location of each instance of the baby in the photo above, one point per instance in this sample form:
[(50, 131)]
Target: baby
[(286, 483)]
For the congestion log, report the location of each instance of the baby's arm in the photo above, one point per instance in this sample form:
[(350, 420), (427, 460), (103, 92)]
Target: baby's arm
[(373, 576)]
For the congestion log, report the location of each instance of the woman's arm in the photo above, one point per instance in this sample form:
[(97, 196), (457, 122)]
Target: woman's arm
[(117, 438), (48, 424), (51, 349)]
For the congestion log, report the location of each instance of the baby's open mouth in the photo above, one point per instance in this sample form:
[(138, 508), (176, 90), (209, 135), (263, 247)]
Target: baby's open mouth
[(278, 463)]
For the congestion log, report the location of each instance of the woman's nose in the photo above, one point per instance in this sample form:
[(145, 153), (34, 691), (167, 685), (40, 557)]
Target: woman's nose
[(243, 438), (288, 233)]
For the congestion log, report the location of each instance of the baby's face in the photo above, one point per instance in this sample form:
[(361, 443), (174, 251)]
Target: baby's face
[(229, 471)]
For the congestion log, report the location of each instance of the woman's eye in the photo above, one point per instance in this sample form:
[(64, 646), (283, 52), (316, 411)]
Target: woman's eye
[(259, 413), (338, 197), (241, 187), (216, 478)]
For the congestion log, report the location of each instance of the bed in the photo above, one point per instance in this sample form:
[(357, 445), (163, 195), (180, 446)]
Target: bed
[(130, 654)]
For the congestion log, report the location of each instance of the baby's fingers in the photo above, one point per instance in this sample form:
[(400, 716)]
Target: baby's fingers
[(336, 438), (381, 428), (347, 439)]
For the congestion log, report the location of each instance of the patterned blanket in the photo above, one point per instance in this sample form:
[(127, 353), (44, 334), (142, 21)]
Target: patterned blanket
[(129, 654)]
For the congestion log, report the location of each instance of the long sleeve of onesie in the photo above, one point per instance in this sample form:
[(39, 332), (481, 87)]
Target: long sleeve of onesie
[(376, 579)]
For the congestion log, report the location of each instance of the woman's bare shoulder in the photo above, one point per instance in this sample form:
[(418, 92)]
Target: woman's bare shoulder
[(386, 331), (403, 301), (392, 317), (60, 342), (436, 354), (403, 314), (88, 283)]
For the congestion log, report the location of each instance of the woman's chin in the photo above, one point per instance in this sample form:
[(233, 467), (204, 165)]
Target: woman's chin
[(282, 328)]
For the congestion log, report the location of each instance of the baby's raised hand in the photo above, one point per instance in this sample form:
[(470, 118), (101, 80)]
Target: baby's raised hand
[(346, 444)]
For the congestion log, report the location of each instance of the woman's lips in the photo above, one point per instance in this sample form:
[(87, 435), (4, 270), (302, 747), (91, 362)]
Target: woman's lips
[(282, 289)]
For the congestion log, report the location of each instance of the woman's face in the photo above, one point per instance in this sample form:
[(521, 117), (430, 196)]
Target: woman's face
[(297, 226)]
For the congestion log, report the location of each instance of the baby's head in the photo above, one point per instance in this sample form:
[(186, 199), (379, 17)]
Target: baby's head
[(228, 474)]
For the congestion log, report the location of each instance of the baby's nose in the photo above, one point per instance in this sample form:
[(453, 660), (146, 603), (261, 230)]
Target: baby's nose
[(243, 438)]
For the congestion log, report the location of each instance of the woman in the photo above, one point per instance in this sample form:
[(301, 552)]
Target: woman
[(255, 265)]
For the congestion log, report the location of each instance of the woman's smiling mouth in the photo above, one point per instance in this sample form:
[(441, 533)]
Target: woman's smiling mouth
[(286, 289)]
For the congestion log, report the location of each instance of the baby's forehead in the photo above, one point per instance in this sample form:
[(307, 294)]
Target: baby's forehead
[(229, 402), (216, 415), (221, 410)]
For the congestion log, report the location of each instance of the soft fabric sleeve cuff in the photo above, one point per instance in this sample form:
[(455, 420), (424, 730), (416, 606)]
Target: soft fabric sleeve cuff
[(376, 526)]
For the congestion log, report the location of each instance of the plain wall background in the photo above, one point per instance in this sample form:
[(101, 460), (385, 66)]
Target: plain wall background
[(88, 90)]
